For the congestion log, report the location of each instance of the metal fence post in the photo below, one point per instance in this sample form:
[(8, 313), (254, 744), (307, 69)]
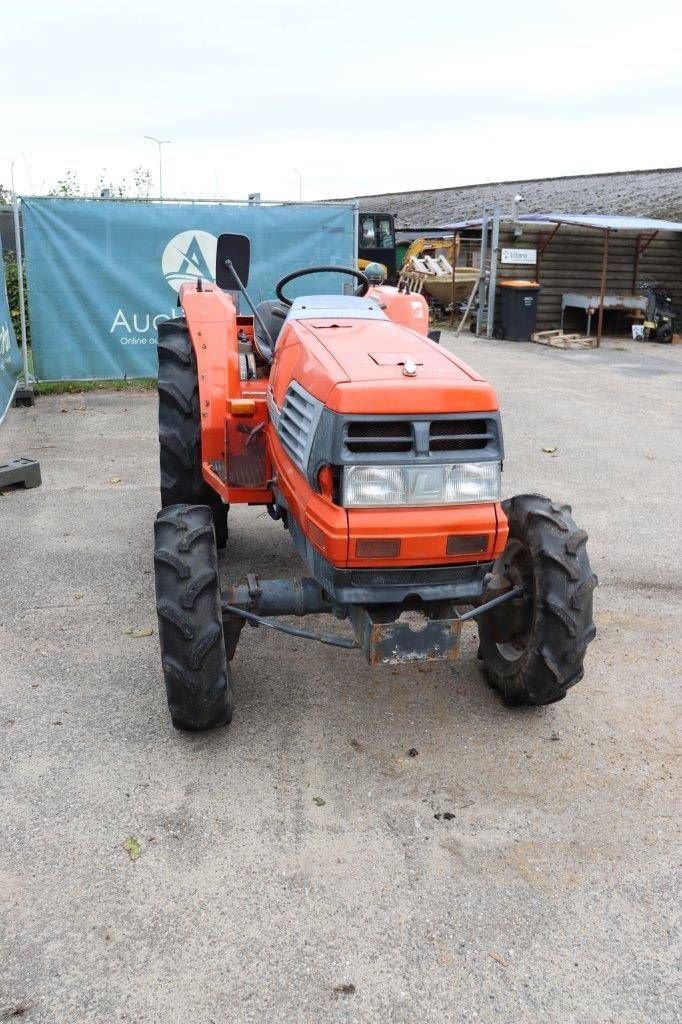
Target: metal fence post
[(20, 280), (483, 278), (492, 285)]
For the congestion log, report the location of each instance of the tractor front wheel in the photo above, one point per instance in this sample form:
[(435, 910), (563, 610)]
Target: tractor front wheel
[(190, 620), (533, 647), (180, 427)]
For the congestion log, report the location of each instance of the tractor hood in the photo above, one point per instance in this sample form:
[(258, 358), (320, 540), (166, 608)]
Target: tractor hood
[(392, 369)]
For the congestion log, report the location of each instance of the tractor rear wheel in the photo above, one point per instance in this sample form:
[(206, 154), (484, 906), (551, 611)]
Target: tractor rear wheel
[(180, 427), (533, 647), (664, 333), (190, 620)]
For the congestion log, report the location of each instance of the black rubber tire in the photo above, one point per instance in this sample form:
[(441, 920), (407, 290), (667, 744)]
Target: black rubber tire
[(193, 657), (664, 333), (180, 427), (560, 624)]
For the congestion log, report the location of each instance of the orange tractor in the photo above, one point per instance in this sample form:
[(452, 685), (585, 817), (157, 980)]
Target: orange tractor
[(381, 453)]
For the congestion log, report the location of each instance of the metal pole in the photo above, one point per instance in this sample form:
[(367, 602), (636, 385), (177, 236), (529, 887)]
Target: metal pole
[(256, 314), (641, 247), (356, 233), (482, 279), (455, 257), (300, 184), (159, 143), (20, 280), (493, 273), (604, 268)]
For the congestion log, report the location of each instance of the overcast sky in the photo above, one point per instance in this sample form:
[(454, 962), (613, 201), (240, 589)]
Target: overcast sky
[(358, 97)]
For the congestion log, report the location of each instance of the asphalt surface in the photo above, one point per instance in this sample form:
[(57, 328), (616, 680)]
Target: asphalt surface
[(292, 868)]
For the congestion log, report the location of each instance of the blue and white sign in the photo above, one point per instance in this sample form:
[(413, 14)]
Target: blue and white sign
[(10, 360), (102, 274), (520, 257)]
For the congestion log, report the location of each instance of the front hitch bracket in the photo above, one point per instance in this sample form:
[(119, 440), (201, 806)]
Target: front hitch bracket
[(402, 641), (414, 636)]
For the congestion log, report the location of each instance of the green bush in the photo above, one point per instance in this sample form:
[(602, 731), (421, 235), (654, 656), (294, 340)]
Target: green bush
[(12, 279)]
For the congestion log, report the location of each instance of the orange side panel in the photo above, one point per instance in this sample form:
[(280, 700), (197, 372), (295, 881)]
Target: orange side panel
[(326, 525), (329, 521)]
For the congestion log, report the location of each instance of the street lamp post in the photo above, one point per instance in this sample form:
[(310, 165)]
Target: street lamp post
[(160, 143)]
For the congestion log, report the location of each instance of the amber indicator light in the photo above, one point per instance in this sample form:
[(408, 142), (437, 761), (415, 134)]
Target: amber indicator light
[(242, 406), (388, 547), (467, 543), (325, 479)]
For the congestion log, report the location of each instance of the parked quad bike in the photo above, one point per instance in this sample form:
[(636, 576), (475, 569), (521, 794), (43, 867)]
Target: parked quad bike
[(381, 453), (660, 314)]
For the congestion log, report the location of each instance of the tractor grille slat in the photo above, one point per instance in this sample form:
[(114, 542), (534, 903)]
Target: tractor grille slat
[(459, 435), (376, 437), (299, 406), (434, 576), (294, 425)]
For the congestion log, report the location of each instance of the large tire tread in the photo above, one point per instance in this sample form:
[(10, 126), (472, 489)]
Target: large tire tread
[(182, 480), (190, 620), (562, 624)]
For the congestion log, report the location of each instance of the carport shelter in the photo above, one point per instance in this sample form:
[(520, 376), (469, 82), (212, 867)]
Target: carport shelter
[(588, 266)]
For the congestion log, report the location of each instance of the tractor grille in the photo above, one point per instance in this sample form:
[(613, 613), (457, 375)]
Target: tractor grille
[(453, 436), (459, 435), (378, 437), (434, 576), (296, 424)]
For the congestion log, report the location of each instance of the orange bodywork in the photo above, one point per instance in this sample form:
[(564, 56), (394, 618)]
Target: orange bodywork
[(227, 431), (351, 366), (402, 308)]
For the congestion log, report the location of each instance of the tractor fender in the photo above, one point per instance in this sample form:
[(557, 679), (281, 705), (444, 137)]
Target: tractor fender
[(212, 322), (405, 308)]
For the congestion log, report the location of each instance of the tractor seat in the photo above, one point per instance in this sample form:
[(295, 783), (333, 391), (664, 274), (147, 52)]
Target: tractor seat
[(273, 323)]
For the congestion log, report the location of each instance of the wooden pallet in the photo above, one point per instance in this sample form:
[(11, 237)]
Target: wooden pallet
[(557, 339)]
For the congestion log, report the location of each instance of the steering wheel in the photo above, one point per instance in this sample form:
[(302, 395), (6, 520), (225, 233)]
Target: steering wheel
[(357, 274)]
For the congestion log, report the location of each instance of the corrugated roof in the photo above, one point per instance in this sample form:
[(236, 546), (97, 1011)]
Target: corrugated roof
[(649, 193)]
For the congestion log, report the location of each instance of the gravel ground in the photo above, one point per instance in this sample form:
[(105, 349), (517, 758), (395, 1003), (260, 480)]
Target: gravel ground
[(291, 868)]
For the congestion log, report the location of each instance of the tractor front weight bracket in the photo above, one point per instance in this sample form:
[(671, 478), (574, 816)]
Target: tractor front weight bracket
[(399, 642), (419, 637), (384, 640)]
